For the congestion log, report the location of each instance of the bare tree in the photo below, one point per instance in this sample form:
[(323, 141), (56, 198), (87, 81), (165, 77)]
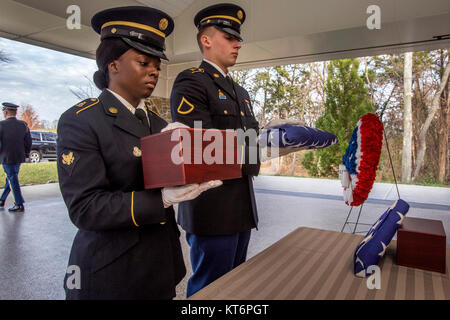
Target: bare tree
[(423, 131), (444, 122), (85, 92), (407, 119), (4, 57)]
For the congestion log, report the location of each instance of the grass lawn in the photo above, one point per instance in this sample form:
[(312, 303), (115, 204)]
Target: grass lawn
[(34, 173)]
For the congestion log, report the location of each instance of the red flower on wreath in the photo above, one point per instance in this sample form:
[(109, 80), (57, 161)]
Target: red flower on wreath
[(362, 157)]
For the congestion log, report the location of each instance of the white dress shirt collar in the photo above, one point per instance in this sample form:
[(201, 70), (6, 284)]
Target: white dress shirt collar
[(127, 104), (217, 67)]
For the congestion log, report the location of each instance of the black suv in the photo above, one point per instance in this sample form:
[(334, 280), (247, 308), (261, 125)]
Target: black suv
[(43, 145)]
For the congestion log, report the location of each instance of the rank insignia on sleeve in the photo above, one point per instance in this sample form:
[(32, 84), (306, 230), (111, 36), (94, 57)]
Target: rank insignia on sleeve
[(221, 95), (68, 160), (81, 104), (185, 107)]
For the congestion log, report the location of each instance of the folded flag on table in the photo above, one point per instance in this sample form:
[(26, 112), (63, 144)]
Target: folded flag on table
[(373, 247)]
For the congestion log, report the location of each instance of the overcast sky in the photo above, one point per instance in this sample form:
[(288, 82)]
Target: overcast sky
[(42, 77)]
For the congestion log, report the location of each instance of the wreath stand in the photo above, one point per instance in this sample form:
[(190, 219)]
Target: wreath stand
[(356, 223)]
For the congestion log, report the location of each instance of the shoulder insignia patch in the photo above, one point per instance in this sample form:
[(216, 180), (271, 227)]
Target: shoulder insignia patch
[(185, 107), (195, 70), (85, 104), (67, 161)]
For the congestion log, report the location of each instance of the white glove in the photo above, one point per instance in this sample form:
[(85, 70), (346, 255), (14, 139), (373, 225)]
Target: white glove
[(174, 125), (173, 195)]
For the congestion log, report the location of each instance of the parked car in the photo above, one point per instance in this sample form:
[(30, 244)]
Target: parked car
[(43, 146)]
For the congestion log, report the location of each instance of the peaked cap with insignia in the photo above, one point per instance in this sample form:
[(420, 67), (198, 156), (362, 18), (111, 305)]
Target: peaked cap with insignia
[(9, 106), (224, 16), (143, 28)]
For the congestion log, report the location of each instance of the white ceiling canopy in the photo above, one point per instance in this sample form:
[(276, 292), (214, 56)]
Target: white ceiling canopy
[(172, 7), (275, 31)]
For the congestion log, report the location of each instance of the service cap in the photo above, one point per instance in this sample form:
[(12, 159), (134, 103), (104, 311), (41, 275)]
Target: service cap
[(225, 16), (143, 28)]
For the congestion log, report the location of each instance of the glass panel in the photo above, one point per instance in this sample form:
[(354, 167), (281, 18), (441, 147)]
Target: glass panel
[(48, 136), (35, 136)]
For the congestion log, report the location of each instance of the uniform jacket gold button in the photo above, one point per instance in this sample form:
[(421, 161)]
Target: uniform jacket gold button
[(225, 111), (162, 222), (242, 114)]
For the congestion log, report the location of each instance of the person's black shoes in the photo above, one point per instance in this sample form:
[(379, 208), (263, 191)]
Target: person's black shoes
[(17, 208), (2, 203)]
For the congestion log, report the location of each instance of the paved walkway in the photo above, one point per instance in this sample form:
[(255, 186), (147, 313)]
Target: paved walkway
[(35, 245)]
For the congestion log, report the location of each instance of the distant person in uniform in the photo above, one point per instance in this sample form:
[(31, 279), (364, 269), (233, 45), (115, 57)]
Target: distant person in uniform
[(218, 223), (15, 146), (127, 245)]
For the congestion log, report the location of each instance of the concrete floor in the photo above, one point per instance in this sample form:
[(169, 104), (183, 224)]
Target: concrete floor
[(35, 245)]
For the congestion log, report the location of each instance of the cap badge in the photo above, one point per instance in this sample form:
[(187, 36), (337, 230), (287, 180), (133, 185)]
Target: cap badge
[(163, 24), (112, 110), (240, 14), (113, 30), (137, 152)]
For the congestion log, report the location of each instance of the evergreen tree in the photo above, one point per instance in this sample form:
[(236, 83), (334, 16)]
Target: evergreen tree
[(346, 101)]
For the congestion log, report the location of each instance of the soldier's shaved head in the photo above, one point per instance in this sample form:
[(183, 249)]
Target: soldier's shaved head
[(207, 31)]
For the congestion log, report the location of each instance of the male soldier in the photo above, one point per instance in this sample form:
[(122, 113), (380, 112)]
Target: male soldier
[(218, 222), (15, 146)]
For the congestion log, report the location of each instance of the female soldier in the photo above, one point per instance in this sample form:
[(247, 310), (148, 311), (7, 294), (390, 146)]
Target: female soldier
[(127, 245)]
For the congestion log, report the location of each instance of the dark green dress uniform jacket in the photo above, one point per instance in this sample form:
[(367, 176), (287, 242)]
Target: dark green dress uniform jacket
[(127, 245), (204, 94)]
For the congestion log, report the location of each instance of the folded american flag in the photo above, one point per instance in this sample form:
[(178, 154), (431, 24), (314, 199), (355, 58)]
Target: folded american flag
[(296, 136)]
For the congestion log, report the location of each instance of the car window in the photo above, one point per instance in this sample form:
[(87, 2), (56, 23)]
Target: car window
[(35, 136), (48, 136)]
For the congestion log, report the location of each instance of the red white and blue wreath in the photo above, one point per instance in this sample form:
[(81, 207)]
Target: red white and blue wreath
[(361, 159)]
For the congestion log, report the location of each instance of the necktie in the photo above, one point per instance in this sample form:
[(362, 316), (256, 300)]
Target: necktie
[(140, 114), (230, 81)]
